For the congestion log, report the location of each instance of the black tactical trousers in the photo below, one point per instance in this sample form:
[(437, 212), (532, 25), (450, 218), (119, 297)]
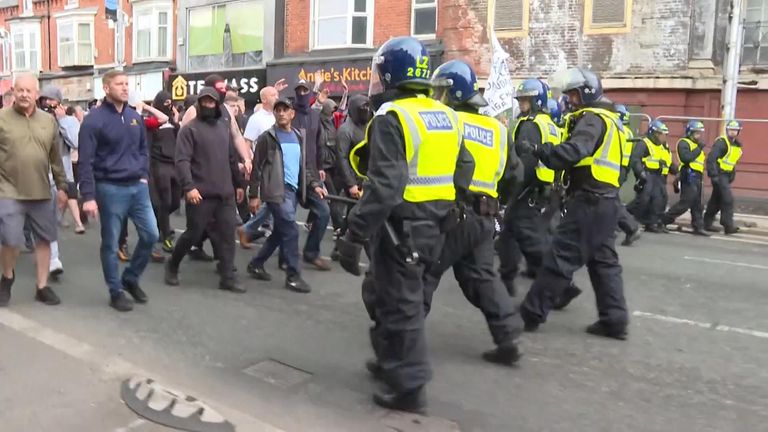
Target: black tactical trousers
[(469, 250), (690, 199), (524, 233), (721, 201), (650, 204), (585, 236)]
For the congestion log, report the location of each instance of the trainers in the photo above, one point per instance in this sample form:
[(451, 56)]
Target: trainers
[(56, 269), (121, 303), (135, 291), (168, 244), (123, 254), (171, 275), (157, 256), (198, 254), (46, 296), (5, 290), (232, 285), (258, 273), (319, 264), (297, 284)]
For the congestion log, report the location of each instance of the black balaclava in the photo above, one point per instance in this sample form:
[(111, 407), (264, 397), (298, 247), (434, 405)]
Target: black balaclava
[(159, 103), (301, 103), (359, 110)]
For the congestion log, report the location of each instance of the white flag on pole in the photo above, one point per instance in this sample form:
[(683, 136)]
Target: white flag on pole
[(499, 92)]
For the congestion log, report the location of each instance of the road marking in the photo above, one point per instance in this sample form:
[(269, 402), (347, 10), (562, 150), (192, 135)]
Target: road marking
[(732, 239), (114, 367), (710, 326), (131, 426), (717, 261)]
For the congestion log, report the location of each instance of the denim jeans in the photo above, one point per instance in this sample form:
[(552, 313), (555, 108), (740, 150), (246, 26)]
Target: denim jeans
[(257, 220), (322, 215), (285, 234), (116, 204)]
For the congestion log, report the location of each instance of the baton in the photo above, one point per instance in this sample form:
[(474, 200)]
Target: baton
[(411, 257)]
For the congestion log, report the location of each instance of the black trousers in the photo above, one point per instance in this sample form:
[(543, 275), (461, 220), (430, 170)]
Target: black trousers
[(649, 205), (690, 199), (335, 186), (469, 250), (721, 201), (585, 236), (165, 193), (627, 222), (216, 215), (524, 233), (394, 294)]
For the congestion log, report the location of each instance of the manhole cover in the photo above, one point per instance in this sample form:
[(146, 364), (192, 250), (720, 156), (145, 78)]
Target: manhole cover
[(277, 373), (171, 408)]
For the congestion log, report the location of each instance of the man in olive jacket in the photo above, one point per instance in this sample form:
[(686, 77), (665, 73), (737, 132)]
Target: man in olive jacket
[(280, 174)]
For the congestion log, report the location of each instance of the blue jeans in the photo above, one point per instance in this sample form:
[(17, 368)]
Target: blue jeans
[(257, 220), (116, 204), (285, 234), (322, 215)]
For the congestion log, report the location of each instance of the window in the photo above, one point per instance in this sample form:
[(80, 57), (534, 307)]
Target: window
[(25, 41), (26, 7), (341, 23), (75, 41), (227, 35), (152, 31), (607, 16), (755, 50), (508, 18), (5, 45), (424, 17)]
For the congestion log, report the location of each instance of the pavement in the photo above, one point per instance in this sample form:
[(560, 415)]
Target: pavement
[(274, 360)]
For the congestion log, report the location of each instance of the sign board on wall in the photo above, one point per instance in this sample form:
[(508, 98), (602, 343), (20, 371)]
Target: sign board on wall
[(248, 81), (356, 73)]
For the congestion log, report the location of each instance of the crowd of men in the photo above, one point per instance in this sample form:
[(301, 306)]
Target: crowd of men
[(412, 174)]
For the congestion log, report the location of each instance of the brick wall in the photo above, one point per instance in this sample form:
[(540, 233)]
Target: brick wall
[(659, 37)]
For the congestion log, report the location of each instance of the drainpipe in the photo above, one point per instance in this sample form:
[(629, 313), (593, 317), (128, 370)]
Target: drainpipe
[(50, 48), (733, 59)]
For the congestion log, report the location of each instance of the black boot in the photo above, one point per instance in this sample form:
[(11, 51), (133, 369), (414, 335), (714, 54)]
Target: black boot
[(566, 297), (631, 237), (698, 231), (600, 329), (506, 355), (653, 229), (731, 230), (414, 401), (171, 274), (373, 367)]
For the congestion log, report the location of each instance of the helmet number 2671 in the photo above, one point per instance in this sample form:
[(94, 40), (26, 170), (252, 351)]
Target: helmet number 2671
[(421, 70)]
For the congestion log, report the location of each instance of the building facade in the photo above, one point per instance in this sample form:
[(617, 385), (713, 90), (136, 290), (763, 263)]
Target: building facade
[(71, 43)]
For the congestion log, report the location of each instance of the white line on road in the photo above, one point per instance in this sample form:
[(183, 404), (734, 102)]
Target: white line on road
[(114, 367), (717, 261), (739, 239), (131, 426), (710, 326)]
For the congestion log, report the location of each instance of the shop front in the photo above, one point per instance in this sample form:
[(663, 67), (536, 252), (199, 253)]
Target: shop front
[(76, 89), (248, 82)]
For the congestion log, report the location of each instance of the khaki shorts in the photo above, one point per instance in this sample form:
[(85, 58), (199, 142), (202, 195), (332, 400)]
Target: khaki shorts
[(40, 216)]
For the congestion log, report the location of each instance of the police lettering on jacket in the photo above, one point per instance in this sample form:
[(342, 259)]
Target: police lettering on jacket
[(436, 120), (478, 134)]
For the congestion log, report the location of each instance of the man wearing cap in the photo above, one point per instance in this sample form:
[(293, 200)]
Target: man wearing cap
[(307, 122), (29, 149), (204, 151), (281, 174), (721, 169)]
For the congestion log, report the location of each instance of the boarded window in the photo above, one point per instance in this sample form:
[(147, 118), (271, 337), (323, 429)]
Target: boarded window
[(608, 13), (508, 15)]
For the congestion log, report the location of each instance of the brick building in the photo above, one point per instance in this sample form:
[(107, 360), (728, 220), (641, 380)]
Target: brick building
[(661, 57), (70, 43)]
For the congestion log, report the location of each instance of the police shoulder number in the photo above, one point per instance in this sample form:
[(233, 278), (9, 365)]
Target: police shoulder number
[(421, 70)]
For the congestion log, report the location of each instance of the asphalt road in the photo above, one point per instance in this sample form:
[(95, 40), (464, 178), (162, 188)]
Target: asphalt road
[(695, 360)]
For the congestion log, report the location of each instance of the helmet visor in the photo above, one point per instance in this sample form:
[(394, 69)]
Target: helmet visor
[(442, 90), (566, 80), (375, 85)]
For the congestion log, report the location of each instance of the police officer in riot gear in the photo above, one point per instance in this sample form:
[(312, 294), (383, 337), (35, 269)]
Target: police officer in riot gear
[(651, 163), (469, 247), (524, 231), (690, 153), (627, 223), (415, 153), (591, 156), (721, 169)]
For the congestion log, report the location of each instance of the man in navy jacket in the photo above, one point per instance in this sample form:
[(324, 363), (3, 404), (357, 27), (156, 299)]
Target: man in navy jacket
[(114, 169)]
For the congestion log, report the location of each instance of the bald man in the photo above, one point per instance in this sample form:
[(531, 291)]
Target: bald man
[(30, 148)]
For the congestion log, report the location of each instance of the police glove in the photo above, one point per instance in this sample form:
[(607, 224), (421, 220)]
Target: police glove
[(349, 254), (676, 185), (525, 146), (639, 185)]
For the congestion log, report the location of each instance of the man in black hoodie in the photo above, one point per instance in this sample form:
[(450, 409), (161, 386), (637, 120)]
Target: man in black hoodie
[(164, 189), (348, 136), (201, 158), (307, 122)]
